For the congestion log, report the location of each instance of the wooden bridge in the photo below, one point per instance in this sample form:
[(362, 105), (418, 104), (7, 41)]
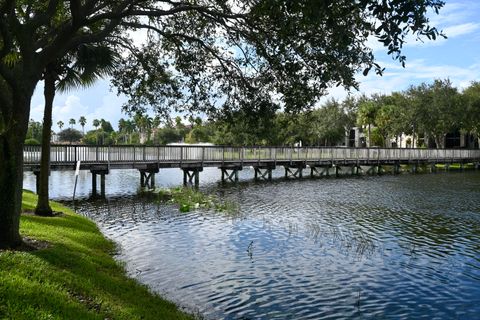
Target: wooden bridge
[(192, 159)]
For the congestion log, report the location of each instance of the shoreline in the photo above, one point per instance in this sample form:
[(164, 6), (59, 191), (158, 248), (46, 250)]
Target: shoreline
[(71, 273)]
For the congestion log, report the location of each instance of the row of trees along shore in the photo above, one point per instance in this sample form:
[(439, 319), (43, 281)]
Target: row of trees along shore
[(216, 57), (425, 111)]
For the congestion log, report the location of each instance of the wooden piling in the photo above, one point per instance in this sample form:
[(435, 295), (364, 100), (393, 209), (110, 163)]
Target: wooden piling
[(101, 170), (264, 171), (230, 173), (191, 175)]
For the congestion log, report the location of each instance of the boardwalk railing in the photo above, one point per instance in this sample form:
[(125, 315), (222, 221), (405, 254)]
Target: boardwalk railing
[(69, 154)]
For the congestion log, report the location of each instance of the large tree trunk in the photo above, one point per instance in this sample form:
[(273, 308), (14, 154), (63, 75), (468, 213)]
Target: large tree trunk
[(13, 129), (11, 157), (43, 206)]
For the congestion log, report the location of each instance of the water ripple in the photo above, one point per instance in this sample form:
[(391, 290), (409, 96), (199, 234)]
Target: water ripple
[(398, 247)]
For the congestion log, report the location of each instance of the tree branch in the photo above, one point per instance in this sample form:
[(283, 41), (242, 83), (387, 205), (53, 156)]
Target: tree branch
[(77, 12)]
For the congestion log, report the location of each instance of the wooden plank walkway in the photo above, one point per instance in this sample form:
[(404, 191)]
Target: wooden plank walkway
[(65, 157)]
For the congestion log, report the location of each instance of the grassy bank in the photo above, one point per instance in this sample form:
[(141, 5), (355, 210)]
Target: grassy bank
[(72, 275)]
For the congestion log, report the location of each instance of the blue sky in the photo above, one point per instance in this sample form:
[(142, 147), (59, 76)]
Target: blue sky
[(457, 58)]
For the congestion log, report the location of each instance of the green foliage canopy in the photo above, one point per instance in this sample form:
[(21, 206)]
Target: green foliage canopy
[(34, 130), (70, 135), (224, 56)]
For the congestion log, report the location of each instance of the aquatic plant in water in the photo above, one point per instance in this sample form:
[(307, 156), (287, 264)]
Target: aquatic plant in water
[(189, 199)]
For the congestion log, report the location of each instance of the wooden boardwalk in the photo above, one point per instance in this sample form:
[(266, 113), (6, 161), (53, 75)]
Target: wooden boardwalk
[(65, 157), (192, 159)]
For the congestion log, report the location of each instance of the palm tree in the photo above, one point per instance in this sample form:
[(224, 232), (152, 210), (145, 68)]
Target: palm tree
[(122, 128), (89, 63), (121, 125), (96, 124), (155, 124), (366, 116), (72, 123), (60, 124), (83, 122), (130, 128), (148, 126), (144, 123)]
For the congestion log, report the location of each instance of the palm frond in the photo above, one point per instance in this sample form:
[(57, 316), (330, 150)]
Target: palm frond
[(90, 63)]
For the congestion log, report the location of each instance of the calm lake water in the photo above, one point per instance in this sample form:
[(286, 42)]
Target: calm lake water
[(402, 247)]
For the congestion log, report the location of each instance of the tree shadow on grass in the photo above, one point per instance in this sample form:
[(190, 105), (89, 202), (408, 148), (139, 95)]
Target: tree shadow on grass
[(99, 283), (80, 267)]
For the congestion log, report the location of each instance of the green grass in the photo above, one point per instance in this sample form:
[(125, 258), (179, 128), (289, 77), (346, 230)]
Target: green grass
[(74, 277)]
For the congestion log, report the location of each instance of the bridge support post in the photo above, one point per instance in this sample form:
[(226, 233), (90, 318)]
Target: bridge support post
[(293, 172), (396, 168), (263, 172), (102, 171), (355, 170), (191, 176), (414, 168), (325, 170), (371, 170), (232, 175), (294, 169), (147, 177), (313, 171), (265, 175), (94, 184), (102, 184), (433, 168), (147, 174), (337, 169)]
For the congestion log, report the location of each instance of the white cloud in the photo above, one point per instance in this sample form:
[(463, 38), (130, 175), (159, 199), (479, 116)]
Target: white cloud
[(417, 71), (96, 102), (109, 109), (72, 108), (455, 19), (461, 29), (454, 13)]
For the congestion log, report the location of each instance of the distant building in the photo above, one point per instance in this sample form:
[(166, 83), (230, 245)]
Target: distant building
[(356, 138)]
